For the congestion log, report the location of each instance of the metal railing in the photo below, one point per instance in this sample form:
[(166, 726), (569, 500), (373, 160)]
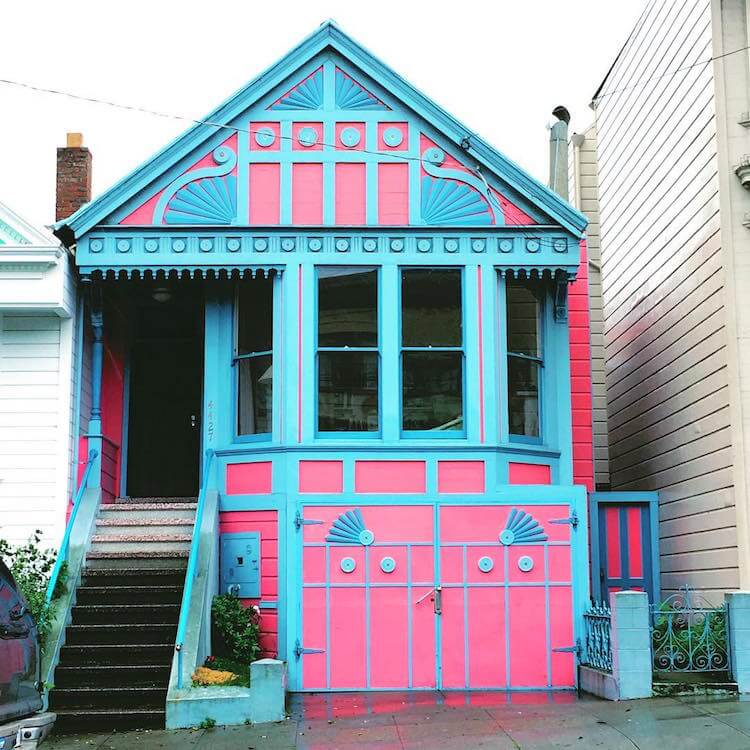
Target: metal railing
[(62, 554), (190, 574), (597, 645), (689, 634)]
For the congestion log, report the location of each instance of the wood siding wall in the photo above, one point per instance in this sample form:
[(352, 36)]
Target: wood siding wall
[(662, 286), (584, 192)]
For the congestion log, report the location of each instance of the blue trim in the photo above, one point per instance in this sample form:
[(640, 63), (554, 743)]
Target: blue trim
[(80, 330), (125, 427)]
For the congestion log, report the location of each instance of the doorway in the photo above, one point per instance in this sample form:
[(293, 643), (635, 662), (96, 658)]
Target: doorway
[(165, 393)]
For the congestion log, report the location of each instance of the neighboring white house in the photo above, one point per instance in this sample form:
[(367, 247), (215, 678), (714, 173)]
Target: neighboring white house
[(37, 380)]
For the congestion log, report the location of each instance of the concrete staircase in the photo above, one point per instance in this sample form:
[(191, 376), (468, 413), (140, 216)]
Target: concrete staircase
[(114, 668)]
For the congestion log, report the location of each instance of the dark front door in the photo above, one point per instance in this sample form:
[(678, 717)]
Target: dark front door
[(166, 372)]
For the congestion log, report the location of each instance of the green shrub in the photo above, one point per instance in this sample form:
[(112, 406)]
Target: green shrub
[(31, 567), (237, 627)]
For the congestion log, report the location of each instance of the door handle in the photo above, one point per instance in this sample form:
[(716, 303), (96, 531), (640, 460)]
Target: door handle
[(436, 597), (193, 421)]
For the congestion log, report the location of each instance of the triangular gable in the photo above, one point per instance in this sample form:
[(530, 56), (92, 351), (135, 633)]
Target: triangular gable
[(393, 158), (16, 231)]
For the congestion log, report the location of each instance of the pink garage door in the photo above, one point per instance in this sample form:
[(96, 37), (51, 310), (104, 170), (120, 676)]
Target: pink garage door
[(387, 604)]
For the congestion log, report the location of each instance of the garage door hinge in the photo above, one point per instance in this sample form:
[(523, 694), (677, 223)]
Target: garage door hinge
[(299, 651), (572, 519), (570, 649), (299, 522)]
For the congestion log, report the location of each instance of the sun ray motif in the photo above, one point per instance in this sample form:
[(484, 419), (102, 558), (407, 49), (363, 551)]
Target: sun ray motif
[(452, 202), (212, 200), (351, 95), (306, 95), (349, 528), (522, 528)]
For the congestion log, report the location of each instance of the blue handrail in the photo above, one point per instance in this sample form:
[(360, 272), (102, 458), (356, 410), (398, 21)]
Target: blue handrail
[(187, 594), (62, 555)]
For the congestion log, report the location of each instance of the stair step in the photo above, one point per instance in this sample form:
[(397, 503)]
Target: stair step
[(155, 500), (147, 529), (109, 676), (129, 634), (130, 559), (116, 653), (129, 594), (140, 542), (104, 614), (114, 510), (92, 719), (133, 576), (111, 698)]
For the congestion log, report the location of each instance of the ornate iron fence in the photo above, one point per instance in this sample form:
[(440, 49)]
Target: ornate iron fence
[(689, 634), (597, 646)]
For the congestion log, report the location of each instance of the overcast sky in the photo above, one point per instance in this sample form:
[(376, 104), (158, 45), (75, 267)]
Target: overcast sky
[(500, 67)]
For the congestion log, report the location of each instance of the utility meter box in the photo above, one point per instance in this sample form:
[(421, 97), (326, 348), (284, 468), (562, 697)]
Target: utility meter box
[(240, 564)]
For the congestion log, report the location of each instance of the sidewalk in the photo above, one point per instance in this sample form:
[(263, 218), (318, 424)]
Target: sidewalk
[(462, 721)]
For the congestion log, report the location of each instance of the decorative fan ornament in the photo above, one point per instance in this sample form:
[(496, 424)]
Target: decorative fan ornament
[(349, 528), (522, 528), (350, 95), (307, 95), (452, 202), (212, 200)]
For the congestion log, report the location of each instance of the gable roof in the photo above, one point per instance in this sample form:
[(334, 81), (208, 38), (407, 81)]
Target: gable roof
[(15, 231), (328, 35)]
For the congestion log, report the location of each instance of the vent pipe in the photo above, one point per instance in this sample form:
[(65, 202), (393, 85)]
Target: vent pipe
[(558, 152)]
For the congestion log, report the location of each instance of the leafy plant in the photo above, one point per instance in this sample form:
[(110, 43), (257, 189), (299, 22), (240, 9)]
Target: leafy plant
[(207, 723), (31, 566), (237, 627)]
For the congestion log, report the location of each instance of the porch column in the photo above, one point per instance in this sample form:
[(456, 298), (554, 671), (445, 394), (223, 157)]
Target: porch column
[(96, 318)]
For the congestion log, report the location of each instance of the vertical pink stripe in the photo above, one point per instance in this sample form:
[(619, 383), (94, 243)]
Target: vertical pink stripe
[(307, 193), (299, 355), (264, 193), (635, 544), (612, 521), (393, 194), (481, 356), (350, 193)]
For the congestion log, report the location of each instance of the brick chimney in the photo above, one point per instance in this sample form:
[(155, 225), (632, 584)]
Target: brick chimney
[(73, 176)]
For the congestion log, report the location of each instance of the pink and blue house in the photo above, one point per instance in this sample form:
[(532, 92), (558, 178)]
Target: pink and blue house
[(365, 332)]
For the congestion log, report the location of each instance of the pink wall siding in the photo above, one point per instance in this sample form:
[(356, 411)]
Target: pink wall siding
[(264, 193), (460, 476), (519, 473), (321, 476), (265, 522), (393, 194), (580, 375), (389, 476), (350, 193), (307, 194), (250, 478)]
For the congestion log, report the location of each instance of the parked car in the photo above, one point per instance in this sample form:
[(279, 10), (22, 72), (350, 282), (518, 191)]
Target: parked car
[(20, 660)]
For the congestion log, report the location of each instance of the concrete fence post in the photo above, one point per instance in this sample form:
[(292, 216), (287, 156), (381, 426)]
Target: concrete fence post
[(738, 612), (631, 644)]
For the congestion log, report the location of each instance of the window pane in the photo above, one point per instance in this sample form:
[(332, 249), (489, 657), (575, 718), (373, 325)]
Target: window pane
[(433, 391), (523, 319), (255, 315), (523, 396), (255, 378), (347, 307), (347, 391), (431, 307)]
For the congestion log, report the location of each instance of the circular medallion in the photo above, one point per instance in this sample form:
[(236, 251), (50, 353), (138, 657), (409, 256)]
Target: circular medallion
[(265, 137), (96, 246), (507, 537), (307, 137), (348, 564), (123, 246), (261, 246), (477, 246), (525, 564), (287, 244), (206, 245), (560, 246), (506, 246), (314, 245), (370, 245), (393, 137), (485, 564), (151, 246), (350, 137), (397, 245), (178, 246), (434, 155), (451, 246), (424, 246), (233, 245), (388, 565), (532, 246), (342, 245), (366, 537)]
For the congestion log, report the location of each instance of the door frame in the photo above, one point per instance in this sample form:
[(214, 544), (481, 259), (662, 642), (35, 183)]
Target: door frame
[(523, 495), (651, 500)]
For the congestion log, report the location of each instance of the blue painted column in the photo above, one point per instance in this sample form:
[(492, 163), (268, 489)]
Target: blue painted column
[(95, 420)]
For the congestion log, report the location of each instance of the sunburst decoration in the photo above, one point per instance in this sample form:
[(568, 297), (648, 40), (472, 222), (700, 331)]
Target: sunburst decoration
[(306, 95), (349, 528), (350, 95), (212, 200), (522, 528), (452, 202)]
